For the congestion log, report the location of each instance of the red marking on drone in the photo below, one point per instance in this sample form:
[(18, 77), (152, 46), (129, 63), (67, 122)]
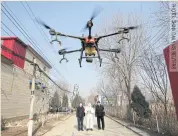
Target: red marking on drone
[(92, 40)]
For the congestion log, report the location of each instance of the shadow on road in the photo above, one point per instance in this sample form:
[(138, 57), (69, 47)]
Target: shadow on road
[(95, 126), (76, 127)]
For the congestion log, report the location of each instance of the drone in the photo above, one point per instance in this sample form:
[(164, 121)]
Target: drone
[(89, 43)]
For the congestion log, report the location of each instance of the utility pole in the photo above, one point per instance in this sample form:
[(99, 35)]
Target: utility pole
[(30, 123), (76, 87), (75, 90)]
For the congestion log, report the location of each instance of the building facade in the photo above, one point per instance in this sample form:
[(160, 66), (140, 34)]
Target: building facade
[(16, 75)]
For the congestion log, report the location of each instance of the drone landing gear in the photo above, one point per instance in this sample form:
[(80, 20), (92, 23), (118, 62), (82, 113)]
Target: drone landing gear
[(56, 40), (80, 62), (123, 38), (100, 60), (63, 59), (80, 59)]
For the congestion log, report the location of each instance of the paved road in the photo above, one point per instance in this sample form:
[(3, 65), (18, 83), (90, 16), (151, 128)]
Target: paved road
[(69, 128)]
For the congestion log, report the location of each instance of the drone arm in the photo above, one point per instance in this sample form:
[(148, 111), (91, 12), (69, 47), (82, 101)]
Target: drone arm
[(119, 32), (65, 52), (76, 37), (111, 50), (73, 51)]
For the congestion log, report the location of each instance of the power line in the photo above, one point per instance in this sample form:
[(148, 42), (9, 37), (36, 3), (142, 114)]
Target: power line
[(40, 70), (15, 17), (39, 30), (26, 35), (29, 39), (154, 39), (33, 19), (15, 54), (52, 80), (36, 19), (8, 28), (5, 31)]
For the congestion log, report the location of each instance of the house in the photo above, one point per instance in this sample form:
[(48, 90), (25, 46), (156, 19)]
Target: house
[(16, 75)]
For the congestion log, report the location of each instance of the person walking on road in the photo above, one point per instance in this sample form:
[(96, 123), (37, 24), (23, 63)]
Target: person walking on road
[(89, 112), (80, 113), (100, 113)]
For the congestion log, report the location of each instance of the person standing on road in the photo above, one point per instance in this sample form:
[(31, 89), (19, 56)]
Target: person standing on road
[(80, 113), (100, 113), (89, 112)]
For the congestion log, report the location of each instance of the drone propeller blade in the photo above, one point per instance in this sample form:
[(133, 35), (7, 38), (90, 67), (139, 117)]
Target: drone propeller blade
[(43, 24), (84, 29), (128, 28), (96, 12), (64, 49)]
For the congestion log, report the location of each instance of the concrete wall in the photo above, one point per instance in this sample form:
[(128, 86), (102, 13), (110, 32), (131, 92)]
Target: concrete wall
[(15, 93), (29, 68)]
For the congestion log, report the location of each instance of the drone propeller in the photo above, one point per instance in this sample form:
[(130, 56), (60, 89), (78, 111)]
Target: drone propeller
[(43, 24), (128, 28), (64, 49), (51, 31), (95, 13), (131, 27)]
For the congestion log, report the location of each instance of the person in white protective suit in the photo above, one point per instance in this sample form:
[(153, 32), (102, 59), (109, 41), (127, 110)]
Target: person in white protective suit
[(89, 114)]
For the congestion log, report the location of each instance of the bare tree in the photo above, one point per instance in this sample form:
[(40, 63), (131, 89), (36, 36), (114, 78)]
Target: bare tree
[(121, 67), (154, 77), (102, 89), (141, 60), (91, 98)]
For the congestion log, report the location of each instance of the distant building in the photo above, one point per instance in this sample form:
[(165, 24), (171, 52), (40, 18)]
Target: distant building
[(113, 100), (16, 75), (108, 100)]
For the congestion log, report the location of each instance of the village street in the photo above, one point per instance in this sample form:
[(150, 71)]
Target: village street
[(65, 61), (69, 128)]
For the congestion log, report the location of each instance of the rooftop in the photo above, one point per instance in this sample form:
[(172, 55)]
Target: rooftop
[(29, 48)]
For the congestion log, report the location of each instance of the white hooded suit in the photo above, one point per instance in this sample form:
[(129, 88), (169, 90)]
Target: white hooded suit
[(89, 114)]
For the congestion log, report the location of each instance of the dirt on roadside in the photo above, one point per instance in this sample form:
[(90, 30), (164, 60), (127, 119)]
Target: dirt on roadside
[(15, 131), (50, 124), (22, 131)]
